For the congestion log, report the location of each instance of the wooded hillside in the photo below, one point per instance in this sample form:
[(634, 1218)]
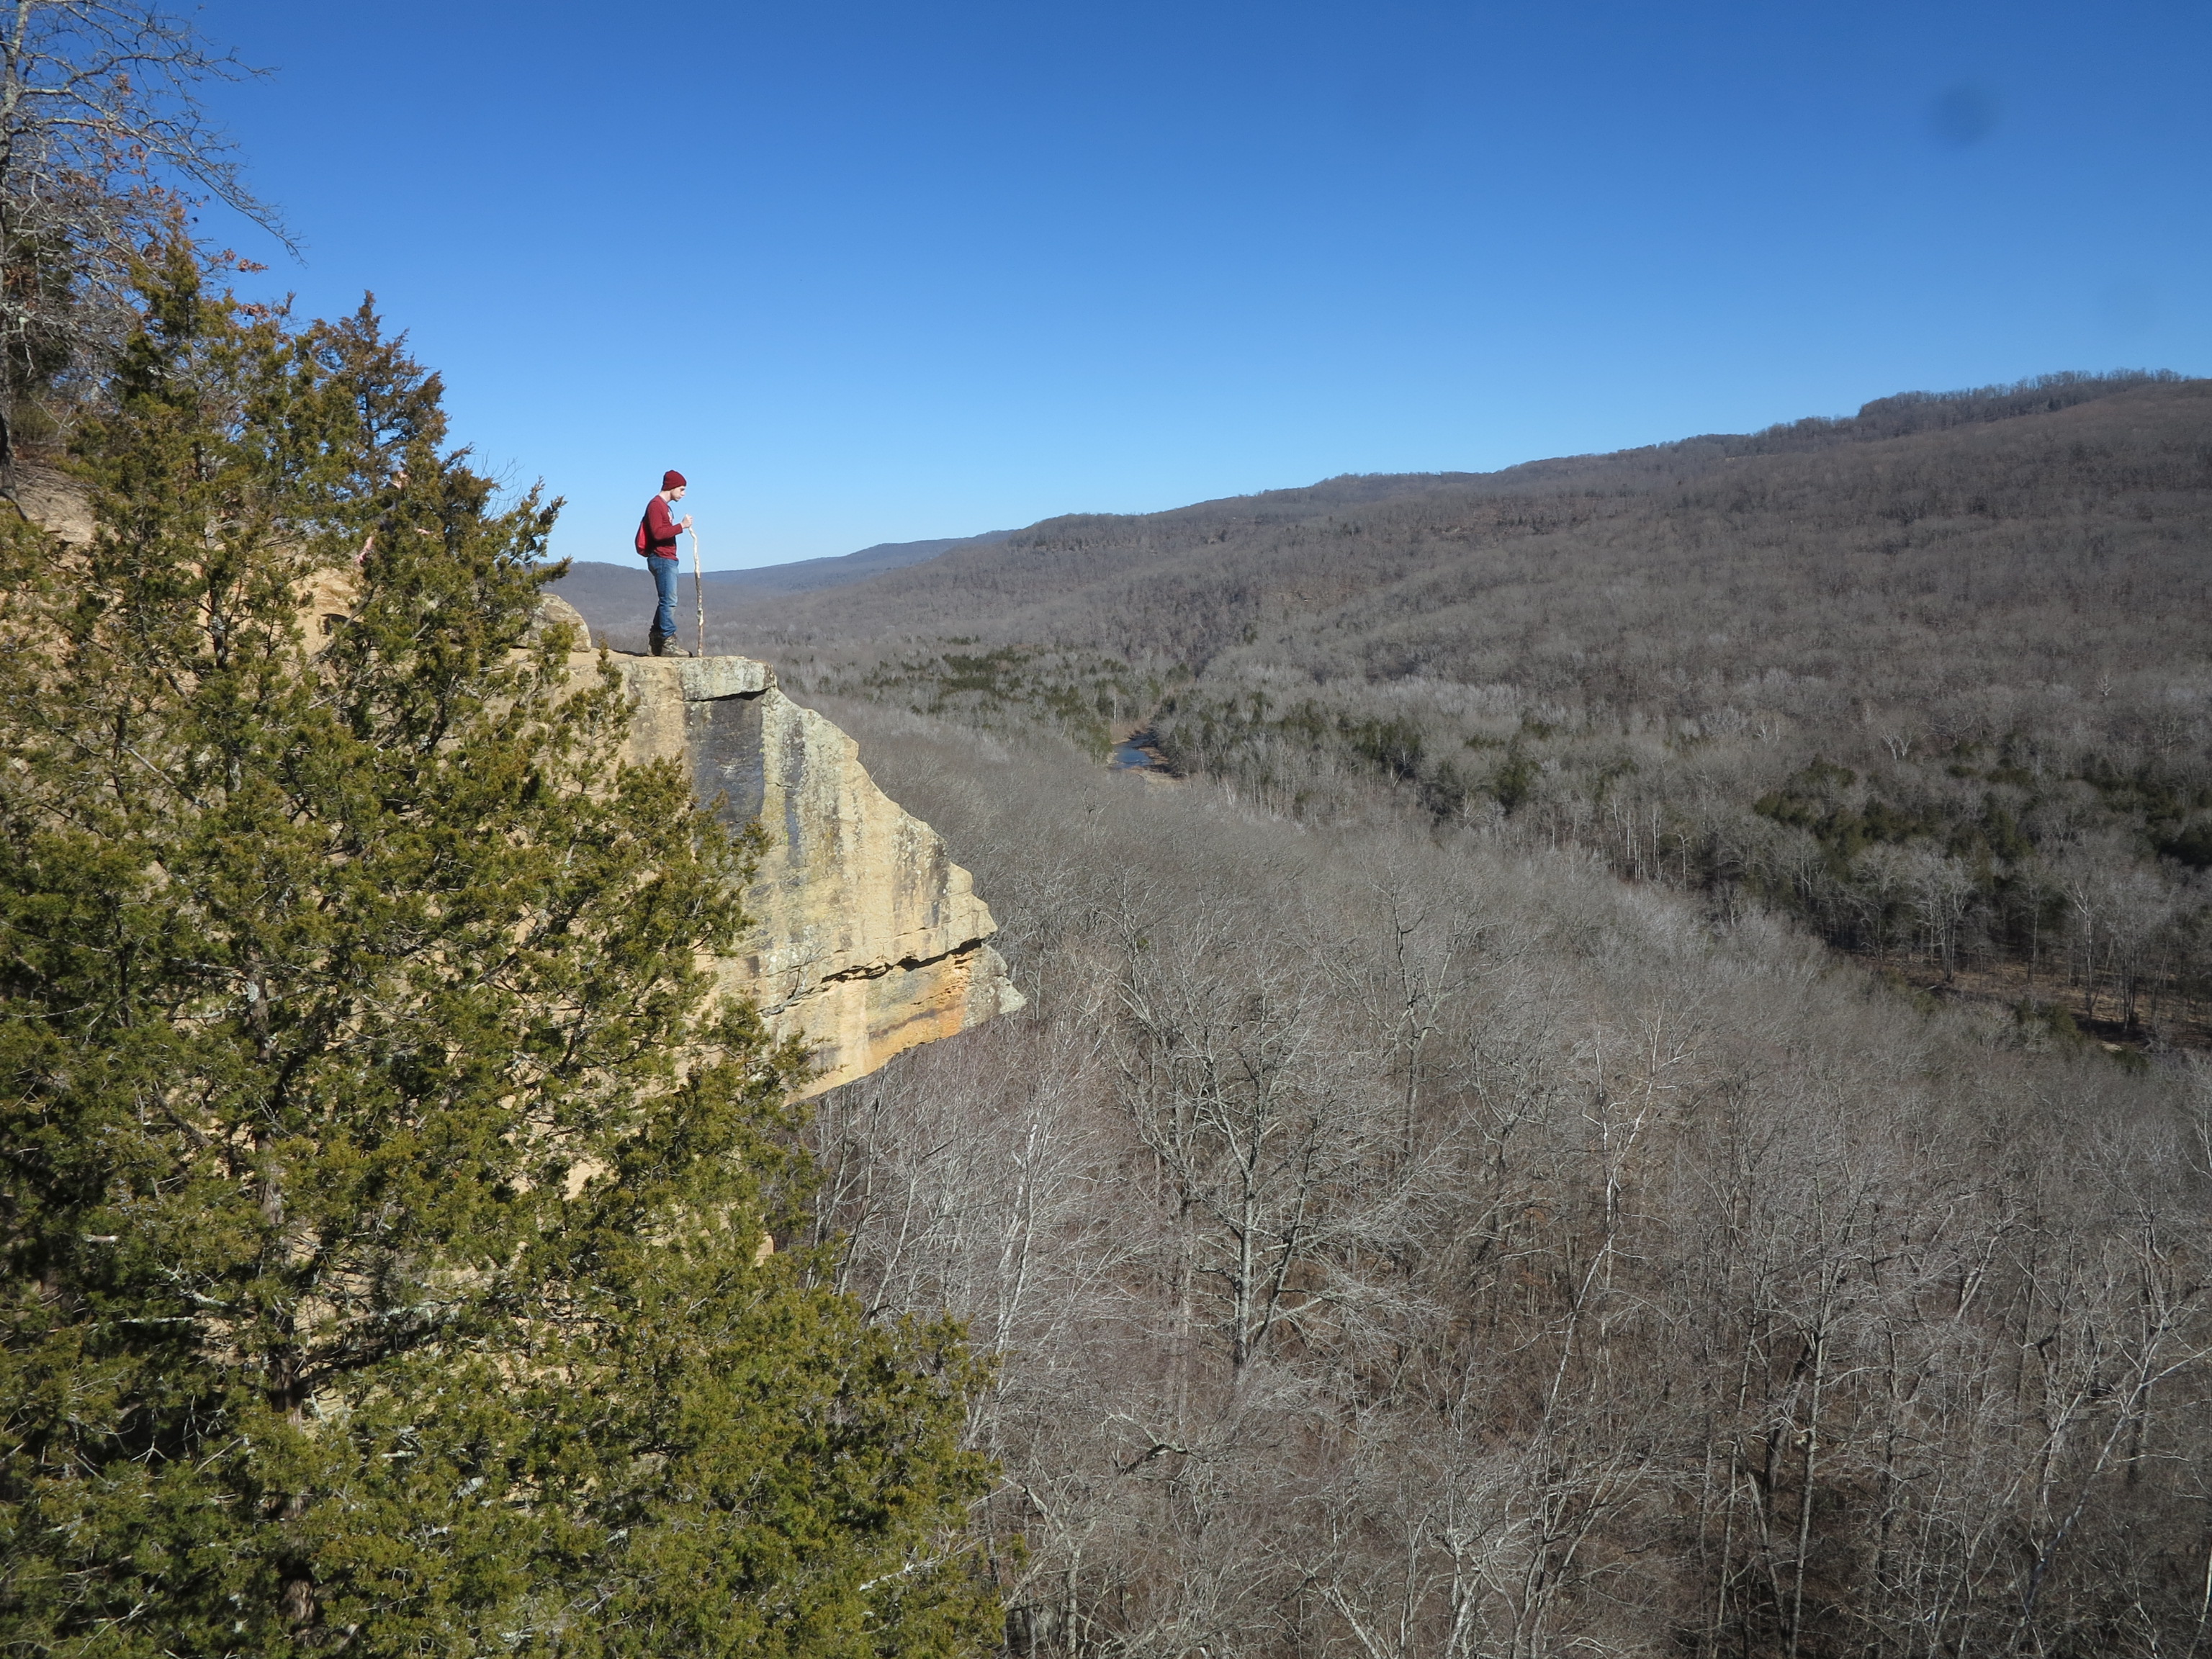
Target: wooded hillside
[(1932, 679), (1447, 1197), (1403, 1246)]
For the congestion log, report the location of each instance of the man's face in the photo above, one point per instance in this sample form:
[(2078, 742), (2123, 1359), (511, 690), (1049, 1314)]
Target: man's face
[(677, 494)]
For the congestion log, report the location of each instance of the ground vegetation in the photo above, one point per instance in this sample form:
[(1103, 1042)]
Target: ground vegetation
[(388, 1210)]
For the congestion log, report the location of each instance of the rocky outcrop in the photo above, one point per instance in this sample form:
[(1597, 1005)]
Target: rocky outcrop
[(51, 500), (866, 937)]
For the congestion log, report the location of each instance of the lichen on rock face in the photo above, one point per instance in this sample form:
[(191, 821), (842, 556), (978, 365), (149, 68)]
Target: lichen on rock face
[(866, 939)]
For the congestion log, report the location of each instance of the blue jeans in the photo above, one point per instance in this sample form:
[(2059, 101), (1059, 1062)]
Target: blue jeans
[(664, 583)]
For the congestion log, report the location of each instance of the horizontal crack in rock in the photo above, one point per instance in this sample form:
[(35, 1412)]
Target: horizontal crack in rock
[(905, 964)]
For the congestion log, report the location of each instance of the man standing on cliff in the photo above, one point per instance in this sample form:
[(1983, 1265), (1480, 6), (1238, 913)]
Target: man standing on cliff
[(656, 540)]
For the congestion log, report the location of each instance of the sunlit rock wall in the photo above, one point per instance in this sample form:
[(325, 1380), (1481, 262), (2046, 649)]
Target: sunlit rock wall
[(866, 939)]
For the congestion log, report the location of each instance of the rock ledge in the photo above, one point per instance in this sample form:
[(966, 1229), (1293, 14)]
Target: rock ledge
[(868, 939)]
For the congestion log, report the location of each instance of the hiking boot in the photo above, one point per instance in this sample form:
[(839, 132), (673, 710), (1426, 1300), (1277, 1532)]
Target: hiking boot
[(656, 643)]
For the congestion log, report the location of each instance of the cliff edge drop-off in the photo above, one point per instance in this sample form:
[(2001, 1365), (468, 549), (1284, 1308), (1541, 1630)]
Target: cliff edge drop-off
[(866, 939)]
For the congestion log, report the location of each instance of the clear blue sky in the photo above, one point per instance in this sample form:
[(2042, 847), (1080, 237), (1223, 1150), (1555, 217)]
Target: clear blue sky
[(873, 272)]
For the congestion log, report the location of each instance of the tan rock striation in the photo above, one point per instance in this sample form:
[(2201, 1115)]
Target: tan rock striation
[(868, 939)]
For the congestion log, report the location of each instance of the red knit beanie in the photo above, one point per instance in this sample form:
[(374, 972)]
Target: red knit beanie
[(672, 479)]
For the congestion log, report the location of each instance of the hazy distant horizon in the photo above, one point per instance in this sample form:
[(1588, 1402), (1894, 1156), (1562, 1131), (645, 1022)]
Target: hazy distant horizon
[(771, 562), (868, 274)]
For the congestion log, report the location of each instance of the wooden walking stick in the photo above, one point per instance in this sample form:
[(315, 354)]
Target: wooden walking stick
[(699, 592)]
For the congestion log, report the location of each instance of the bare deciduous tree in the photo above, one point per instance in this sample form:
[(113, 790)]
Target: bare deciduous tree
[(1401, 1249), (104, 143)]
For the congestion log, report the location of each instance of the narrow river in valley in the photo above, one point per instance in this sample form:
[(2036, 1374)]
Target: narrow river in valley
[(1137, 753)]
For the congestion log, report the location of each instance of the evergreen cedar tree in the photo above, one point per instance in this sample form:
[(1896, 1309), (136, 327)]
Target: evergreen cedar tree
[(383, 1187)]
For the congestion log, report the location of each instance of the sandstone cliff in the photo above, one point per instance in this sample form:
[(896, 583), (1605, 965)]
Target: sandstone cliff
[(868, 939)]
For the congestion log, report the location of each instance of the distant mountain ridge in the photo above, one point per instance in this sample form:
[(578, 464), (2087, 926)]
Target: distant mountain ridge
[(1187, 583), (617, 596), (1190, 583)]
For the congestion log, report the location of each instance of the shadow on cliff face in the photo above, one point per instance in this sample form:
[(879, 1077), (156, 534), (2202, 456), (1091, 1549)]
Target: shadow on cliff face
[(867, 936)]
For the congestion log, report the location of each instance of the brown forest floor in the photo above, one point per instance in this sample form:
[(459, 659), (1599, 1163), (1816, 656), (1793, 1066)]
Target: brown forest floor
[(2169, 1022)]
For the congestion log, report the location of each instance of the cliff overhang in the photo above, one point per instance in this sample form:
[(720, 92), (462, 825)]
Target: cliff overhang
[(866, 939)]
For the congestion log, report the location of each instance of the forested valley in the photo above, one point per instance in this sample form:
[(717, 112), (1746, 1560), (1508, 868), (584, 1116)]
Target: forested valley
[(1637, 1082), (1931, 680), (1641, 1091)]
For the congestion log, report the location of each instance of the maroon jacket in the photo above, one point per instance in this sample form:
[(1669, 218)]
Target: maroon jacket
[(657, 532)]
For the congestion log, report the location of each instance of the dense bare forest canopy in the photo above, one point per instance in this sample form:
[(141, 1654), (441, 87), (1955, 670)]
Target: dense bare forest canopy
[(1932, 678), (1449, 1197), (1401, 1245)]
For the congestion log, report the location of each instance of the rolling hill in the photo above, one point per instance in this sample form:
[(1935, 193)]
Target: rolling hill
[(1933, 678), (616, 600)]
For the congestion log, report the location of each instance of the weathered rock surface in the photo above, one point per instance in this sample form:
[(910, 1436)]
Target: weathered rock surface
[(51, 500), (868, 939)]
